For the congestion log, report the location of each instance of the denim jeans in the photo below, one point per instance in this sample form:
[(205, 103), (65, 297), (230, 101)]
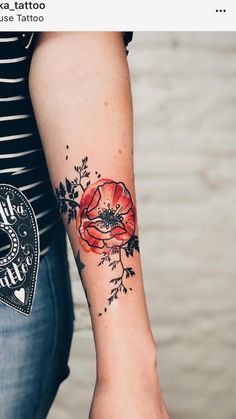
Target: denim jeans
[(34, 350)]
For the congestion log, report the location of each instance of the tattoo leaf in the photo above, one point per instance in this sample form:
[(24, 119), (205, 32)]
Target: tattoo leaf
[(115, 291), (115, 250), (84, 161), (114, 264), (63, 207), (132, 245), (129, 272), (71, 214), (68, 186), (105, 258), (115, 280), (124, 289), (62, 190)]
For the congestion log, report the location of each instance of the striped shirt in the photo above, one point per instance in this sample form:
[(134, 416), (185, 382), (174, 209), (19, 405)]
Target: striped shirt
[(22, 160)]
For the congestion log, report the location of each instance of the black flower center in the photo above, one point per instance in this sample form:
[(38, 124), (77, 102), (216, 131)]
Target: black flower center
[(110, 217)]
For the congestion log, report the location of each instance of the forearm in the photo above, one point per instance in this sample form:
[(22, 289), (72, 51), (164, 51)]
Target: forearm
[(84, 111)]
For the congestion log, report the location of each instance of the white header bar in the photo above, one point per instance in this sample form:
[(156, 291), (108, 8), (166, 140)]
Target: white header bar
[(155, 15)]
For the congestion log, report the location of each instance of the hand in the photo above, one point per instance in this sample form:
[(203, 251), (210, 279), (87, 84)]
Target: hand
[(125, 399)]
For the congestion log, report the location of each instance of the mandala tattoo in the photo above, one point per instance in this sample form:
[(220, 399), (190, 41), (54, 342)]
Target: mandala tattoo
[(105, 220)]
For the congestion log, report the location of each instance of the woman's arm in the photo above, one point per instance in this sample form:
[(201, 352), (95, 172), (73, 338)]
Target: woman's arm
[(80, 88)]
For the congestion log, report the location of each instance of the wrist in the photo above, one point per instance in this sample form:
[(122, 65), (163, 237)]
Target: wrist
[(136, 363), (125, 346)]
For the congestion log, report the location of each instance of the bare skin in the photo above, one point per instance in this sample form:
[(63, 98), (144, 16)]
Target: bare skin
[(80, 88)]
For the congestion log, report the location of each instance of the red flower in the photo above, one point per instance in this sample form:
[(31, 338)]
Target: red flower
[(106, 217)]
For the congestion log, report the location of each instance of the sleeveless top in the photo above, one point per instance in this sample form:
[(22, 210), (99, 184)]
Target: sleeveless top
[(22, 160)]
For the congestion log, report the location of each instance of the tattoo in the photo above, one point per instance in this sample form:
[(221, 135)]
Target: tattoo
[(80, 266), (79, 263), (67, 148), (105, 219)]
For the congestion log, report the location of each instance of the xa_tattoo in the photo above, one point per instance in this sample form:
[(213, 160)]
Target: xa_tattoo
[(105, 219)]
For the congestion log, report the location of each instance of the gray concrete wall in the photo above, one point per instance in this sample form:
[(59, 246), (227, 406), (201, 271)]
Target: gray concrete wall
[(184, 90)]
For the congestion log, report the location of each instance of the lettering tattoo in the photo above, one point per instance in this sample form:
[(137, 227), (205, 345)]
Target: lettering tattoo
[(105, 219)]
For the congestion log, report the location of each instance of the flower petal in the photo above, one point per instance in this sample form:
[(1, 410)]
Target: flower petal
[(114, 193), (88, 200), (129, 226), (94, 230), (92, 241), (93, 208)]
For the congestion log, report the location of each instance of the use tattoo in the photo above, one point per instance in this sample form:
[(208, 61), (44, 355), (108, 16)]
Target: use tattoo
[(105, 220)]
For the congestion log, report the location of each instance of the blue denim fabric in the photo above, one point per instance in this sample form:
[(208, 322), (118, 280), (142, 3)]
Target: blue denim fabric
[(34, 350)]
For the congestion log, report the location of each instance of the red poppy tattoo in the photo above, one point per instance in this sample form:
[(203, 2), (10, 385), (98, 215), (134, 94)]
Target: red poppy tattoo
[(107, 216), (105, 221)]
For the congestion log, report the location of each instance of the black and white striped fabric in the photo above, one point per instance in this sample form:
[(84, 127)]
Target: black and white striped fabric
[(22, 161)]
